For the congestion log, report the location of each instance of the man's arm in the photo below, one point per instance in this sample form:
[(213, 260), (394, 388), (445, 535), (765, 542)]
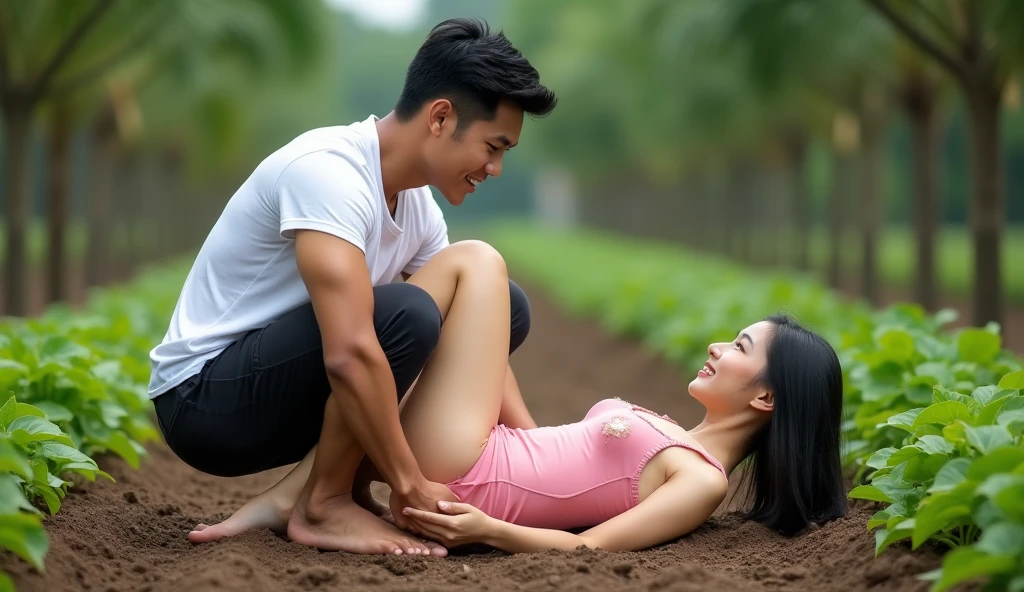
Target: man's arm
[(338, 281)]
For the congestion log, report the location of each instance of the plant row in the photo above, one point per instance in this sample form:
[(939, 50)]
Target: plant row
[(933, 417), (73, 385)]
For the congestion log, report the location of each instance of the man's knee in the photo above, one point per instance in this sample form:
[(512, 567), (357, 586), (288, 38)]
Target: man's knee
[(420, 317), (520, 306)]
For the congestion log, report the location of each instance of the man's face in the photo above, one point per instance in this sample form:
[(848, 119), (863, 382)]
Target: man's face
[(457, 165)]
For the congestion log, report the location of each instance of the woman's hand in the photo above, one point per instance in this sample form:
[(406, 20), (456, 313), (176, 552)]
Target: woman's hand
[(456, 524)]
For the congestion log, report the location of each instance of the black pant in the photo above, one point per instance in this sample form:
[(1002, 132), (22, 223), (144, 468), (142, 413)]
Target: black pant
[(260, 403)]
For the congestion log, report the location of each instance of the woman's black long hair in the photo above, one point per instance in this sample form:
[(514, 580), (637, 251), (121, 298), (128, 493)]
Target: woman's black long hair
[(794, 464)]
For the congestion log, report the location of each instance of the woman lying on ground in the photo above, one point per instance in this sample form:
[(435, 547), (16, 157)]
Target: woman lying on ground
[(639, 479), (774, 394)]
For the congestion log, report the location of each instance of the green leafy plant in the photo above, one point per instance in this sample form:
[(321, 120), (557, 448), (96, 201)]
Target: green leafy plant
[(73, 385), (957, 478)]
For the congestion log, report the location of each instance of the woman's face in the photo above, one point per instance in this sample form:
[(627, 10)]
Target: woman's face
[(725, 385)]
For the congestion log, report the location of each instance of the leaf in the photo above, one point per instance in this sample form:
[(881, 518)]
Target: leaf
[(112, 413), (934, 445), (878, 459), (11, 372), (26, 410), (7, 413), (120, 444), (1005, 538), (988, 414), (1000, 460), (869, 492), (880, 518), (13, 460), (897, 344), (1013, 380), (986, 394), (937, 513), (987, 514), (1008, 500), (987, 438), (906, 420), (63, 454), (940, 394), (1012, 421), (904, 454), (951, 474), (36, 429), (6, 585), (49, 496), (12, 499), (978, 345), (934, 373), (62, 349), (24, 535), (967, 563), (885, 537), (991, 487), (943, 413), (54, 412)]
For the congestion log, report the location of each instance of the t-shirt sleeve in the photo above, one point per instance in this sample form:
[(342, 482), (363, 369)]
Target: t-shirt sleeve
[(327, 192), (435, 240)]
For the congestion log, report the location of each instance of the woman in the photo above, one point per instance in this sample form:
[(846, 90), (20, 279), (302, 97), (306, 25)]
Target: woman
[(773, 395)]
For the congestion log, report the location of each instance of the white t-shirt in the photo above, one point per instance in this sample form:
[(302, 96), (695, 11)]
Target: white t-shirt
[(245, 275)]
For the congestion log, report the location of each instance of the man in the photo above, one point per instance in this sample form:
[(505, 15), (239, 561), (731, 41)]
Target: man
[(292, 331)]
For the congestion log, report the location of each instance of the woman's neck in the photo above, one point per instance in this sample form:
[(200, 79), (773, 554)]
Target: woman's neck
[(727, 438)]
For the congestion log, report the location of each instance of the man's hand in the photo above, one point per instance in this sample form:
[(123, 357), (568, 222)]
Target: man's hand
[(424, 496)]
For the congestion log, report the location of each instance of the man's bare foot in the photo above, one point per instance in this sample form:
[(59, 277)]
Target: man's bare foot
[(266, 510), (341, 525)]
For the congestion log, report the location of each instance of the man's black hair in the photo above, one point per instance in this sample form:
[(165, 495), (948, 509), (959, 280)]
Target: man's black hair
[(464, 62)]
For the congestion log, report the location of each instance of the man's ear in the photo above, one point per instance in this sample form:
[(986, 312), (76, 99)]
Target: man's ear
[(765, 401), (439, 113)]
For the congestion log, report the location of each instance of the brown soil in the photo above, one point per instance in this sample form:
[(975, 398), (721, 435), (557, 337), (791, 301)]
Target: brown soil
[(130, 535)]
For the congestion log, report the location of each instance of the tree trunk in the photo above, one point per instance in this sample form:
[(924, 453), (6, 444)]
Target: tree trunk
[(920, 104), (100, 200), (796, 148), (842, 188), (987, 205), (58, 206), (873, 159), (17, 124)]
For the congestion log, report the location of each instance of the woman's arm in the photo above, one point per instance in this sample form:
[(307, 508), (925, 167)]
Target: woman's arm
[(682, 504)]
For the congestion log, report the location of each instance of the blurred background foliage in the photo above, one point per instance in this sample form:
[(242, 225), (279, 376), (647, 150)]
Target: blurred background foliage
[(876, 143)]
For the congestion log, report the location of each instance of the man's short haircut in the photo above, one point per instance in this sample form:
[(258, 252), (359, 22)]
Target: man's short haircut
[(464, 62)]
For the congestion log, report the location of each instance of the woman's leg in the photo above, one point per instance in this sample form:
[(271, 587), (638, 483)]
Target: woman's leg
[(456, 401)]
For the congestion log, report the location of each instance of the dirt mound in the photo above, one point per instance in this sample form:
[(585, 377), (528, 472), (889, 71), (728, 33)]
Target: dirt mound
[(130, 535)]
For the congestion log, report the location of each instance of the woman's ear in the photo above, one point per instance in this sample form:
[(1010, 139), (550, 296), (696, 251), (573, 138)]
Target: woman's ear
[(765, 401)]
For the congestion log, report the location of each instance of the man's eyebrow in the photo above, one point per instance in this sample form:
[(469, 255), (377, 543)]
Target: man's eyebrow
[(505, 141)]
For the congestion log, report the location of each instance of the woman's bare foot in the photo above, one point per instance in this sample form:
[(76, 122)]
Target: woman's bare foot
[(339, 524), (266, 510)]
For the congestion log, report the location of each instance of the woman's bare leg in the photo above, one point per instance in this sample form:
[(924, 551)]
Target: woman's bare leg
[(457, 399)]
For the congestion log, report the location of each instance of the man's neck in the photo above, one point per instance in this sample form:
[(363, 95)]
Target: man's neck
[(401, 163)]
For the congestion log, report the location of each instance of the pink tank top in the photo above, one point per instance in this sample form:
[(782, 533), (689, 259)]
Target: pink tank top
[(569, 476)]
